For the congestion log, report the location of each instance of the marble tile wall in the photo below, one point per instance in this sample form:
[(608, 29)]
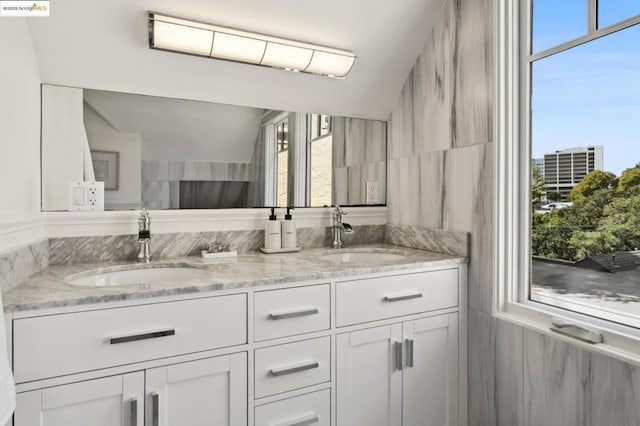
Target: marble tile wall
[(509, 362), (18, 265), (566, 386), (257, 183), (455, 243), (441, 175), (359, 156), (440, 167), (482, 369), (125, 247), (161, 179)]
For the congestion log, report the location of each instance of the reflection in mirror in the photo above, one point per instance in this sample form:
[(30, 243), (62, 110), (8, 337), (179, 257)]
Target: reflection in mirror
[(164, 153)]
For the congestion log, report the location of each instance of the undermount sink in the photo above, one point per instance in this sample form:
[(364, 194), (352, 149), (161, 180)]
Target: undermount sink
[(363, 256), (138, 276)]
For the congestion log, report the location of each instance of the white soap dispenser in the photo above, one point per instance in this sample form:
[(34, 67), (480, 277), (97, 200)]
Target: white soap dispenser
[(289, 237), (272, 234)]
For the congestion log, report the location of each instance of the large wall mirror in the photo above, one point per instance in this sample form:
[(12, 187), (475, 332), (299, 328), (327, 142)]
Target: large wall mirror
[(164, 153)]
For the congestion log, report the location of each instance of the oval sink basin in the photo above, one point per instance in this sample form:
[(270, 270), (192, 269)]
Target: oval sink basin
[(138, 276), (363, 256)]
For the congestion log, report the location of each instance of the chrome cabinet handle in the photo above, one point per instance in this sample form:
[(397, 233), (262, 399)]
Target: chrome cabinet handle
[(399, 360), (141, 336), (293, 314), (576, 331), (133, 412), (281, 371), (400, 297), (409, 352), (300, 421), (155, 409)]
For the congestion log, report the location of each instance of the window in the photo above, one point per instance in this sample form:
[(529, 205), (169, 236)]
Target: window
[(569, 165), (282, 141), (319, 125), (320, 148)]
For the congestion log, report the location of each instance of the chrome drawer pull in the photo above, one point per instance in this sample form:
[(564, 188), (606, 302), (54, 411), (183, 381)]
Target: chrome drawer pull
[(155, 409), (142, 336), (300, 421), (281, 371), (399, 360), (402, 297), (133, 421), (293, 314), (409, 353)]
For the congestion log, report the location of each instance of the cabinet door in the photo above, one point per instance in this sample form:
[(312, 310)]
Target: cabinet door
[(208, 392), (369, 383), (110, 401), (430, 382)]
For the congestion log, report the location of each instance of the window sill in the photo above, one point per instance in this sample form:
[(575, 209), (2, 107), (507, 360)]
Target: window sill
[(621, 343)]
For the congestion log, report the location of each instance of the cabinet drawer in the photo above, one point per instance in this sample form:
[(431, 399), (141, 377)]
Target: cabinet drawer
[(291, 311), (310, 409), (373, 299), (292, 366), (69, 343)]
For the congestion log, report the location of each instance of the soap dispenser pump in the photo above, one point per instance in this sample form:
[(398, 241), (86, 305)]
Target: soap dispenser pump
[(272, 232), (289, 237)]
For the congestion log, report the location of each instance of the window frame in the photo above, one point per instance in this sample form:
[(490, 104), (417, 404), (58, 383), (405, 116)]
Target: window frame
[(512, 189)]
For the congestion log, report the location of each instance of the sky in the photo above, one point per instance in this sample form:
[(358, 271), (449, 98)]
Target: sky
[(590, 94)]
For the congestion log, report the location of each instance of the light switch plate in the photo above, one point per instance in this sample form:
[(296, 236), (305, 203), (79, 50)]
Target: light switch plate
[(86, 196), (372, 192)]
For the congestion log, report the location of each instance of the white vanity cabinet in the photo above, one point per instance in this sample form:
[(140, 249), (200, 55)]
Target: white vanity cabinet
[(369, 388), (405, 373), (400, 374), (204, 392), (108, 401), (211, 391), (385, 349)]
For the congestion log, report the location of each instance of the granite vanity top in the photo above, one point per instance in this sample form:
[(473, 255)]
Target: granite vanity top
[(50, 288)]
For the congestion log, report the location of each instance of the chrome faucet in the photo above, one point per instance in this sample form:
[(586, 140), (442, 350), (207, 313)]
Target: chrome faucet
[(339, 228), (144, 236)]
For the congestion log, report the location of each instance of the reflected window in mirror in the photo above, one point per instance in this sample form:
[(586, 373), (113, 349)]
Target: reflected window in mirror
[(282, 138), (319, 125), (320, 154)]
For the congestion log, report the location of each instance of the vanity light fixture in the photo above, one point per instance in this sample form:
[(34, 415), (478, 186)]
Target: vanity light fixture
[(201, 39)]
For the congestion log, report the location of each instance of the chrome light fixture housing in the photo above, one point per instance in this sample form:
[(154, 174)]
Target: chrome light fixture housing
[(201, 39)]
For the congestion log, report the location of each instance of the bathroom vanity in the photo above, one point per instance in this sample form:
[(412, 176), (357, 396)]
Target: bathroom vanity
[(312, 338)]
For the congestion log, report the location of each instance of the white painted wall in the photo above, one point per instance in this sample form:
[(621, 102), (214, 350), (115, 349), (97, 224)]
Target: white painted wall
[(178, 129), (104, 45), (63, 144), (103, 137), (19, 136)]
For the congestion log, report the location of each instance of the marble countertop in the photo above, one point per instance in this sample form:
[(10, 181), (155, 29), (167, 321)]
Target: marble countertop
[(51, 288)]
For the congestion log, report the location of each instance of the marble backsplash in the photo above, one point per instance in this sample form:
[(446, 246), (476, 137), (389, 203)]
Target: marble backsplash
[(125, 247), (18, 265), (455, 243)]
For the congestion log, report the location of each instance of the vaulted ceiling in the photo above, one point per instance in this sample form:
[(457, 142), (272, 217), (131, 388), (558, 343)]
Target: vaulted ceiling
[(104, 45)]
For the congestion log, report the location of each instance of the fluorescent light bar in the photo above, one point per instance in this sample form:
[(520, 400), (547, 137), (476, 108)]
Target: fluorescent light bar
[(237, 48), (197, 38), (191, 40)]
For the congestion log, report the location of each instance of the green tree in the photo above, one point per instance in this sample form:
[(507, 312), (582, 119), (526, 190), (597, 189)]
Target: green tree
[(629, 179), (591, 183), (553, 196), (537, 185), (574, 232)]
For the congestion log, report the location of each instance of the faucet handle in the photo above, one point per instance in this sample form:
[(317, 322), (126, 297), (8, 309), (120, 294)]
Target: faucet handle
[(144, 220), (340, 210)]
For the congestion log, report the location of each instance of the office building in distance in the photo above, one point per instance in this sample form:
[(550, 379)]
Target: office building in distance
[(566, 168)]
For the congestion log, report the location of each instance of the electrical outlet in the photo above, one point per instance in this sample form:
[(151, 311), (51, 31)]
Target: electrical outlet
[(86, 196), (372, 192)]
